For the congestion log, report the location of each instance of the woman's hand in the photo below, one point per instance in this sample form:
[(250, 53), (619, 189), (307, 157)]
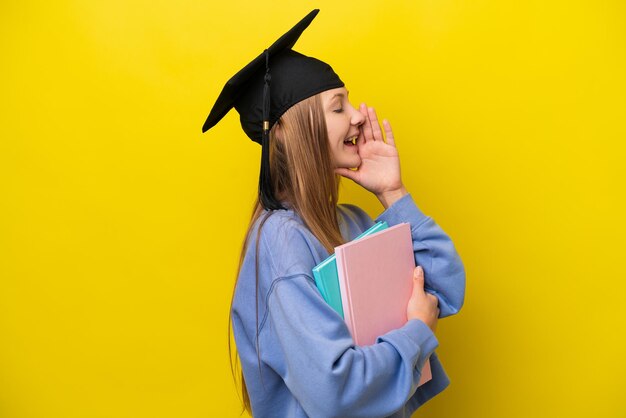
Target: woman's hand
[(379, 171), (422, 305)]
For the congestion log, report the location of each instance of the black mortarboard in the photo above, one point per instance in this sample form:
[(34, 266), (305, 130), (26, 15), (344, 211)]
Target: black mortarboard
[(294, 77)]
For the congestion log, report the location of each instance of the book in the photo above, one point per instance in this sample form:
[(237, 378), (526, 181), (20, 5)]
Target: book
[(325, 273), (375, 276)]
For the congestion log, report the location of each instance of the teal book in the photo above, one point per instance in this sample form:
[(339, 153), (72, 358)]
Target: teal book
[(326, 278)]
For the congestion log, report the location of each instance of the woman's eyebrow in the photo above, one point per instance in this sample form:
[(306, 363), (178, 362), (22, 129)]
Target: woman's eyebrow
[(340, 95), (335, 96)]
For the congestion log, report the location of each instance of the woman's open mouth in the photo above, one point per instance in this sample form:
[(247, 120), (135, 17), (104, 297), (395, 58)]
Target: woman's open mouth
[(350, 142)]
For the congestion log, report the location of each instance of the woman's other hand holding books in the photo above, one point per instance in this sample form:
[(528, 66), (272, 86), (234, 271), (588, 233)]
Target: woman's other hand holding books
[(422, 305)]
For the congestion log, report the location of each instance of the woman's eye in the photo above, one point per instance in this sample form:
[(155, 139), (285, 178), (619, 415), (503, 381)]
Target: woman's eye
[(338, 110)]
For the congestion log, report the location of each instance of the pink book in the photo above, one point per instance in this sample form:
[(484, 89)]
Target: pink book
[(376, 282)]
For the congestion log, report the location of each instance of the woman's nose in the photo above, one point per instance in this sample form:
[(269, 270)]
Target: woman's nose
[(357, 118)]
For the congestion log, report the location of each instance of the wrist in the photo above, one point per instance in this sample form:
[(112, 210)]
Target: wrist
[(389, 197)]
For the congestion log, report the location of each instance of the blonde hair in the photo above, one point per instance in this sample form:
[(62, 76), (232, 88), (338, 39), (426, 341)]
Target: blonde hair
[(302, 175)]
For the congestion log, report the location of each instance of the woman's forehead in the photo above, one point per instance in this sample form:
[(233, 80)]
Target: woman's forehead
[(338, 92)]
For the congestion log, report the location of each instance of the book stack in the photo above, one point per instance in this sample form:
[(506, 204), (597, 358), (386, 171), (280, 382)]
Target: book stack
[(369, 282)]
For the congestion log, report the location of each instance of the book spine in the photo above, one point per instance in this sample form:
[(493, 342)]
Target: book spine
[(344, 287), (319, 283)]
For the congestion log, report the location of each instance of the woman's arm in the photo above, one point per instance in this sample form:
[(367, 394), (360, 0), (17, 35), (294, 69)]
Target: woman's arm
[(310, 347), (304, 341)]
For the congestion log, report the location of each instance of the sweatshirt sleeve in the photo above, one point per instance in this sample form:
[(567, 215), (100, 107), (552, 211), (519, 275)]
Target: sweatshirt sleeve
[(444, 273), (310, 347)]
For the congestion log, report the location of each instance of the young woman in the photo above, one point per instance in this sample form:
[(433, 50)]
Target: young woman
[(297, 356)]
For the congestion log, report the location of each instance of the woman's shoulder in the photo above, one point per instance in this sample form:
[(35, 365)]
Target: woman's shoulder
[(286, 243), (279, 223)]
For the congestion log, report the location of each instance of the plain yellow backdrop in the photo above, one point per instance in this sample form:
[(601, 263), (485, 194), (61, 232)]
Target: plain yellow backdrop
[(120, 223)]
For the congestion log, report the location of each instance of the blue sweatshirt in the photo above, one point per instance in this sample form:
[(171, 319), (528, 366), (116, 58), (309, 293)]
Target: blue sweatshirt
[(302, 362)]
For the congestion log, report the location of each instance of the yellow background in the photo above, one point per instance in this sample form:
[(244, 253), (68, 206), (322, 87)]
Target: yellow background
[(120, 223)]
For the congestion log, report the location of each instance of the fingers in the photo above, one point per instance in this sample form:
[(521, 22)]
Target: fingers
[(367, 125), (376, 132), (388, 133), (361, 138), (418, 278), (346, 172), (371, 126)]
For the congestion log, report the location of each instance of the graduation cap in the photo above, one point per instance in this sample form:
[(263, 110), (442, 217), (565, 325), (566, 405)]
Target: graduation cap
[(265, 88)]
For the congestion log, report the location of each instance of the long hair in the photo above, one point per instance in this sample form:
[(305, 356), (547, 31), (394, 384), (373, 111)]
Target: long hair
[(303, 177)]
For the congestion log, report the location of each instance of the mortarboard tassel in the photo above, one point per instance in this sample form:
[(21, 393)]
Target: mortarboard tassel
[(266, 192)]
